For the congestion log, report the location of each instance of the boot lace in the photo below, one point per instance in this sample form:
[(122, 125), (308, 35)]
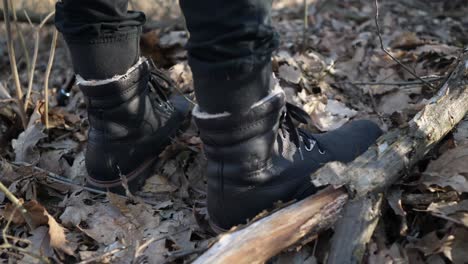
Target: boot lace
[(160, 85), (287, 126)]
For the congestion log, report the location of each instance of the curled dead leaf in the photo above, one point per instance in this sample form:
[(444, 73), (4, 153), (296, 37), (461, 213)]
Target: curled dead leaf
[(39, 216)]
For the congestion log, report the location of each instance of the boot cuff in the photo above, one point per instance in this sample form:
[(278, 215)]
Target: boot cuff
[(120, 87), (266, 111)]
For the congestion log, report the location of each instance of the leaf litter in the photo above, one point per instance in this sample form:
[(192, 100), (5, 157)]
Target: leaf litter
[(336, 72)]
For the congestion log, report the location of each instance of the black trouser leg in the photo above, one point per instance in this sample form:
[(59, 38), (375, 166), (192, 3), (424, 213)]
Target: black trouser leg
[(230, 47), (103, 37)]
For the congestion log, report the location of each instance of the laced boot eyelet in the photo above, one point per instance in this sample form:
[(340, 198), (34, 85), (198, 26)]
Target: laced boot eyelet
[(311, 145), (322, 151)]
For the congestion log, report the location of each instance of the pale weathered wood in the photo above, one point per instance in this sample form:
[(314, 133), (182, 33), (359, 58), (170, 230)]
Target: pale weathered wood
[(354, 229), (398, 150), (375, 170), (267, 237)]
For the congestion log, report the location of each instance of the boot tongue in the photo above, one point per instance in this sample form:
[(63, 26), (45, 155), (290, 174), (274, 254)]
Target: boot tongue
[(116, 90)]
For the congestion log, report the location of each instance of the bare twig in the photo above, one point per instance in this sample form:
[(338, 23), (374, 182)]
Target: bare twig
[(66, 181), (47, 74), (306, 25), (18, 204), (7, 245), (14, 69), (103, 256), (402, 83), (20, 32), (34, 59), (410, 71)]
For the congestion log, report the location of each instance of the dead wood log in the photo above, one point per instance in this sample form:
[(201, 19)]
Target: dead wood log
[(268, 236), (376, 169), (425, 199), (398, 150), (354, 229)]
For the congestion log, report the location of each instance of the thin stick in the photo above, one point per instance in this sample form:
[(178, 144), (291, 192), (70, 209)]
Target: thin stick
[(34, 59), (66, 181), (23, 43), (107, 254), (389, 54), (306, 25), (47, 74), (14, 69), (17, 203), (403, 83)]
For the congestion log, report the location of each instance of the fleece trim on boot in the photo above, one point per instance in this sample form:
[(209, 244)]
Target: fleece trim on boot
[(81, 81), (275, 89)]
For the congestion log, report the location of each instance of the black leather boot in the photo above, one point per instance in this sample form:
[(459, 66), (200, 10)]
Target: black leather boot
[(259, 157), (131, 122)]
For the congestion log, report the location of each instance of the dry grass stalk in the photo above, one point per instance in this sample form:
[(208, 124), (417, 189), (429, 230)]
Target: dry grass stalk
[(21, 36), (34, 59), (47, 75), (14, 68)]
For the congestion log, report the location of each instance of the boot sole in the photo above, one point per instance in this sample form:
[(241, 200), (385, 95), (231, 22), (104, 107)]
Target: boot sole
[(135, 179), (218, 230)]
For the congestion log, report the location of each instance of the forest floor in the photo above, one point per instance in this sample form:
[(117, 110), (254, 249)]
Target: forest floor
[(335, 69)]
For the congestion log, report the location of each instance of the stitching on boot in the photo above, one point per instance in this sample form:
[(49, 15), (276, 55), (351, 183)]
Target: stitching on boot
[(81, 81)]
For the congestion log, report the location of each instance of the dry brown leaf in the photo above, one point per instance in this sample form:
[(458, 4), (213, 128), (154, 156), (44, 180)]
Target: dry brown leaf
[(429, 244), (25, 145), (39, 216), (406, 40), (450, 169), (76, 210), (332, 115), (458, 183), (182, 75), (453, 162), (394, 102), (158, 184), (40, 245), (107, 224), (455, 211), (442, 49), (460, 135), (58, 239), (173, 38), (456, 245), (35, 212), (289, 73), (386, 255), (394, 200), (7, 174)]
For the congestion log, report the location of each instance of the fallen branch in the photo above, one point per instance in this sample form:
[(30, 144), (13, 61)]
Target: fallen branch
[(354, 230), (268, 236), (376, 169)]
